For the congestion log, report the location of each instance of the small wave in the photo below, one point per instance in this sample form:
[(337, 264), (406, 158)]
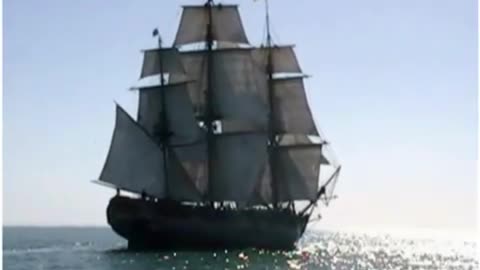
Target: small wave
[(50, 249)]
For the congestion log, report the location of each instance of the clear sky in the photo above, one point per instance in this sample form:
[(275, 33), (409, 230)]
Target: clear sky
[(393, 87)]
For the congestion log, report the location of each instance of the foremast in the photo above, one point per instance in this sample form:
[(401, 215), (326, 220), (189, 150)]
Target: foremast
[(273, 135), (272, 142), (163, 133)]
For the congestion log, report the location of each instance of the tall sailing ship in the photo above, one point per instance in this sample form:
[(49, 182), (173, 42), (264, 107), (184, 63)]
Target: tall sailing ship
[(224, 152)]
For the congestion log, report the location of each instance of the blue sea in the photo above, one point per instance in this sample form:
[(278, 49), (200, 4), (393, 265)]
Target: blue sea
[(30, 248)]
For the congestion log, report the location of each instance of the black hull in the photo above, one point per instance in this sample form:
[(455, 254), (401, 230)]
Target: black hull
[(169, 225)]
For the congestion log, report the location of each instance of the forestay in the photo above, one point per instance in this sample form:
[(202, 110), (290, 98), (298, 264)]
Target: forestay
[(226, 25), (134, 159)]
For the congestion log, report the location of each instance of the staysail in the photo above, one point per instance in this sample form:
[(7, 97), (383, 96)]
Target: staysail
[(133, 159), (134, 163)]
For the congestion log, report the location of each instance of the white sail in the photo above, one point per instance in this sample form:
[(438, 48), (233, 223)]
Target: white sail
[(237, 94), (194, 161), (181, 122), (134, 161), (239, 90), (180, 184), (291, 113), (170, 59), (195, 67), (263, 191), (226, 25), (297, 171), (284, 59), (294, 139), (238, 160), (296, 174)]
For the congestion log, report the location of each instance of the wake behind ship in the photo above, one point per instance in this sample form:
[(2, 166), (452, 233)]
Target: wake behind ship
[(224, 152)]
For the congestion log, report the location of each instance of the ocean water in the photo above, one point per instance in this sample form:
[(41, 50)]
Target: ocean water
[(30, 248)]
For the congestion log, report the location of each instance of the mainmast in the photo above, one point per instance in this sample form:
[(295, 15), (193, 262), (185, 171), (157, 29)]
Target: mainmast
[(209, 117), (164, 133), (271, 130)]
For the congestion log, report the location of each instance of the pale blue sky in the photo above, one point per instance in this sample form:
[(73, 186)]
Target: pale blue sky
[(394, 88)]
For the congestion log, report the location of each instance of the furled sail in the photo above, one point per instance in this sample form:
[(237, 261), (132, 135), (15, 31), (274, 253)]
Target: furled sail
[(297, 171), (226, 24), (180, 117), (239, 163), (134, 159), (170, 58), (284, 59), (238, 87), (291, 113), (294, 139)]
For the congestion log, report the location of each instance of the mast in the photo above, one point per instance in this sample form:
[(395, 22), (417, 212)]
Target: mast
[(271, 131), (208, 97), (164, 133)]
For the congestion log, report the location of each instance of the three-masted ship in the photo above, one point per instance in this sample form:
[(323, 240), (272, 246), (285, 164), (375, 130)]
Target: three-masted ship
[(224, 149)]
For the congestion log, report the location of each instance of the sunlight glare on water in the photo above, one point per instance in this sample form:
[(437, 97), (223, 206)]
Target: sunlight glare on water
[(99, 248)]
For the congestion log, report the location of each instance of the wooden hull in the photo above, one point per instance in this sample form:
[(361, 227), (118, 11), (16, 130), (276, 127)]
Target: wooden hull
[(170, 225)]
